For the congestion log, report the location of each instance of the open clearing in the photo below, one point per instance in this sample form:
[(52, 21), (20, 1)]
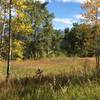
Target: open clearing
[(49, 66), (63, 79)]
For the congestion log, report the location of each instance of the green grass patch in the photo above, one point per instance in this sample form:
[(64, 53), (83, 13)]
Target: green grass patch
[(62, 79)]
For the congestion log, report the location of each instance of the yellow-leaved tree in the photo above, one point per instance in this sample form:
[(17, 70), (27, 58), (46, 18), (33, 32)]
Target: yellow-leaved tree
[(92, 15)]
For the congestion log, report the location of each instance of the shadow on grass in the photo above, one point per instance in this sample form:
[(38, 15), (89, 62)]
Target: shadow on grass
[(57, 81)]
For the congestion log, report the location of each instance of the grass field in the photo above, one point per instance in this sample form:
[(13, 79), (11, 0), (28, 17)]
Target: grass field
[(62, 79), (49, 66)]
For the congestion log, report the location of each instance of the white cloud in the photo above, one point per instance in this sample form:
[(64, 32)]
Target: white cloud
[(63, 20), (98, 17), (99, 9), (42, 1), (77, 1), (79, 16)]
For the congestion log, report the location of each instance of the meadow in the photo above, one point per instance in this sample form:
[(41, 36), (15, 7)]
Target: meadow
[(62, 79)]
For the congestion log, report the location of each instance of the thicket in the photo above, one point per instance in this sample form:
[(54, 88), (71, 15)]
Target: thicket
[(33, 35)]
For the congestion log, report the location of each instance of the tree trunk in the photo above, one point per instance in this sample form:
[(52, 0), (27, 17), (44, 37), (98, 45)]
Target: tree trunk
[(9, 40)]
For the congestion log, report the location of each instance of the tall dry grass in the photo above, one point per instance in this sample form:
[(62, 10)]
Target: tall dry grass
[(62, 79), (48, 65), (49, 62)]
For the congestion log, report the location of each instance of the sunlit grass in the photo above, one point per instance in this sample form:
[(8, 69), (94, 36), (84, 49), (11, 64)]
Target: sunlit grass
[(63, 79), (49, 66)]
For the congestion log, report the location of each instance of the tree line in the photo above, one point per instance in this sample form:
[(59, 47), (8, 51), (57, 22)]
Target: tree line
[(33, 35)]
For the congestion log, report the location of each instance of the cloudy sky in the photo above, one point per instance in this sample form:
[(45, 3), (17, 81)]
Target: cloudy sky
[(66, 12)]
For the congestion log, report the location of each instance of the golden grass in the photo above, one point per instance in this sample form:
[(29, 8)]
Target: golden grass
[(63, 79), (48, 65), (52, 62)]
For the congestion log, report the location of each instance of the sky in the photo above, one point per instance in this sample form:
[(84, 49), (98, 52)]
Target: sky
[(66, 12)]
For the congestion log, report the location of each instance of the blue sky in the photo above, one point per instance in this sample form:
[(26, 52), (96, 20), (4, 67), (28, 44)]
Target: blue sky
[(66, 12)]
